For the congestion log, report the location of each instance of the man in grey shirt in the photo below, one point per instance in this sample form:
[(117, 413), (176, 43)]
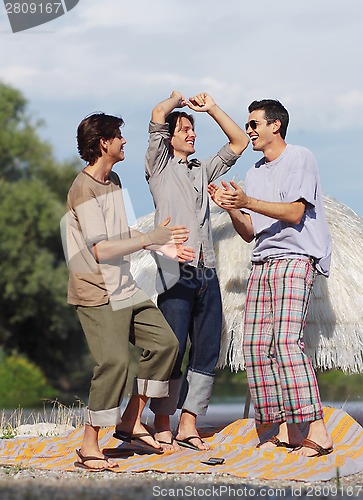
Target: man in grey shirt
[(282, 209), (192, 306)]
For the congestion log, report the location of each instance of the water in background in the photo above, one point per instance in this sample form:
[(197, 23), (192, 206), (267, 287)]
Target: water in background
[(218, 414)]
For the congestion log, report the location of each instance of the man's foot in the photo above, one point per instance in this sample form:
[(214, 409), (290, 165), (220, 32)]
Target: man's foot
[(139, 434), (163, 434), (289, 436), (94, 461), (274, 440), (187, 434), (317, 443), (168, 443), (316, 449)]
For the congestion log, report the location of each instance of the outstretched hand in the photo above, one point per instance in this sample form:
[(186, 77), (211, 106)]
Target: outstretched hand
[(164, 234), (175, 249), (200, 102), (177, 252), (179, 234)]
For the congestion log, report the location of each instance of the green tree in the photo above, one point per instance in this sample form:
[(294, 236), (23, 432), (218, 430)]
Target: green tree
[(22, 153), (22, 383), (34, 316)]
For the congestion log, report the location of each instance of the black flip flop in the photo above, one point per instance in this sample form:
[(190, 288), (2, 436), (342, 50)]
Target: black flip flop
[(84, 459), (135, 439), (187, 444)]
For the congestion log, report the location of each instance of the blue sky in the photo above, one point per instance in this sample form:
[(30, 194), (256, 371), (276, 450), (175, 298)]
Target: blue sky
[(122, 57)]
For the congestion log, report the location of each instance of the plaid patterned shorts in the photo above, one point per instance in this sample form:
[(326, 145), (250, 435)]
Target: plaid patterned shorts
[(281, 378)]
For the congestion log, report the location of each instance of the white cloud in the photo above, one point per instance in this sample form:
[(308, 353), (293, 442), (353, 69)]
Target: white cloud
[(125, 55)]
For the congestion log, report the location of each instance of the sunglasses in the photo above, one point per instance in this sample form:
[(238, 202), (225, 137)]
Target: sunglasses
[(253, 124)]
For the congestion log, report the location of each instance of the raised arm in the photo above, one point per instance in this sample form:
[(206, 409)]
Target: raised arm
[(203, 102), (164, 108)]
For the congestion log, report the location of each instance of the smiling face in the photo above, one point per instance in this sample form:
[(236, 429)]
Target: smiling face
[(264, 134), (183, 138), (115, 148)]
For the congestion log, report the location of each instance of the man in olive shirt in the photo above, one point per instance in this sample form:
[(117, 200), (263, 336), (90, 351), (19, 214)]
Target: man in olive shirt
[(113, 311), (193, 305)]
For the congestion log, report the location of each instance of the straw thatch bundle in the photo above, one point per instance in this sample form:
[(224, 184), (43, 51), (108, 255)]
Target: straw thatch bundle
[(334, 330)]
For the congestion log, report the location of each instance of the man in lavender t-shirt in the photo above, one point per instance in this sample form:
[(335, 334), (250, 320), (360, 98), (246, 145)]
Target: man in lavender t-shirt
[(282, 210)]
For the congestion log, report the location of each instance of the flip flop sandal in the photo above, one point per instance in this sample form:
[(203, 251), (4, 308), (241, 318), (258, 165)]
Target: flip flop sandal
[(84, 459), (187, 444), (320, 451), (279, 444), (128, 437)]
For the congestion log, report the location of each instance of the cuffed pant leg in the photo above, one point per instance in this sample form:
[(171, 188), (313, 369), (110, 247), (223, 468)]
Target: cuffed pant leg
[(107, 334), (168, 405), (160, 348), (196, 392)]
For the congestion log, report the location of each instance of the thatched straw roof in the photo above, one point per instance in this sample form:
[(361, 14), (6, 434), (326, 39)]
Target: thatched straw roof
[(334, 330)]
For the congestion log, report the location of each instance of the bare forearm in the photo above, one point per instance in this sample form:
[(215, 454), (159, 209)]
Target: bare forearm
[(237, 138), (287, 212), (242, 224), (107, 250), (164, 108)]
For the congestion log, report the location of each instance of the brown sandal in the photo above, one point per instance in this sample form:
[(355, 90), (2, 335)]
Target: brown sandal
[(320, 451), (279, 444)]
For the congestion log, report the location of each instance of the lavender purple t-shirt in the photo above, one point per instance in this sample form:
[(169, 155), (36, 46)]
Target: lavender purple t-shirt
[(292, 176)]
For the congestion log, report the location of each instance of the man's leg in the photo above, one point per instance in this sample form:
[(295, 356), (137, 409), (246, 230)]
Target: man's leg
[(176, 305), (154, 336), (107, 342), (292, 288), (205, 336), (258, 348), (259, 351)]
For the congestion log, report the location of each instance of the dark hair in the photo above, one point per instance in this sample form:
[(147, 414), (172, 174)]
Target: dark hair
[(274, 110), (91, 130), (173, 118)]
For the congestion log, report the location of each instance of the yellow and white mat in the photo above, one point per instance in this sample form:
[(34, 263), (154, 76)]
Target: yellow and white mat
[(236, 443)]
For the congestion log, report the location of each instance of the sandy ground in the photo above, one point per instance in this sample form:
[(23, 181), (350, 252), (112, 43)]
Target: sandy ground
[(55, 485)]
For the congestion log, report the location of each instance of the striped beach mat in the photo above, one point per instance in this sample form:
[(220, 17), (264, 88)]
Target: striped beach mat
[(236, 443)]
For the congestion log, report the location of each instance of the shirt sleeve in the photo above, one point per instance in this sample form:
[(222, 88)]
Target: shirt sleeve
[(301, 181), (157, 153), (221, 162), (91, 219)]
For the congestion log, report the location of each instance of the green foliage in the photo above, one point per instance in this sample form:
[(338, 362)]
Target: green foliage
[(335, 385), (21, 150), (22, 153), (34, 316), (22, 383)]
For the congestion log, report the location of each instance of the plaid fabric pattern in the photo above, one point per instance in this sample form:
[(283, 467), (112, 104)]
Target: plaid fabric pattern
[(281, 378)]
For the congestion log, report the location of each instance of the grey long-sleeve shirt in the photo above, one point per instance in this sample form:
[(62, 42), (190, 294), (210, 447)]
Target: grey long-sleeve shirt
[(179, 189)]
